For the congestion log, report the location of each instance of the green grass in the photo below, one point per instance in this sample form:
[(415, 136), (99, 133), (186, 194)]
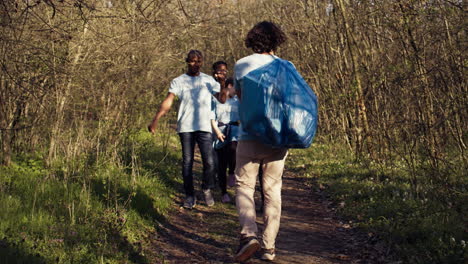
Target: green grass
[(424, 223), (101, 213), (97, 209)]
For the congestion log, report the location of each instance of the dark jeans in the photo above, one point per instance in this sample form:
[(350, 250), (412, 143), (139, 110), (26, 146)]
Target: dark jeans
[(226, 160), (205, 144)]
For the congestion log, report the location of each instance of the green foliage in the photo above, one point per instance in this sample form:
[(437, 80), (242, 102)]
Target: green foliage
[(423, 223), (76, 77), (104, 212)]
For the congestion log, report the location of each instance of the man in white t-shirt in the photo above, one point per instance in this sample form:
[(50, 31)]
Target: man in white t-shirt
[(195, 90)]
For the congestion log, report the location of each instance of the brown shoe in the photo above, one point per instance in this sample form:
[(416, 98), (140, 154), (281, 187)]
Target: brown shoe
[(247, 248)]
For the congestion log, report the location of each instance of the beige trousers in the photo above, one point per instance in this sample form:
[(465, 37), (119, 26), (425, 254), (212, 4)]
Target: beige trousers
[(250, 154)]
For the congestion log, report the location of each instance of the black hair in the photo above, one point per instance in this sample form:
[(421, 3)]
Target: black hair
[(265, 37), (216, 64), (193, 53)]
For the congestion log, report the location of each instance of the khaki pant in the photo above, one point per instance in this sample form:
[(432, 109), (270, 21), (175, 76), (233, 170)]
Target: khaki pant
[(250, 154)]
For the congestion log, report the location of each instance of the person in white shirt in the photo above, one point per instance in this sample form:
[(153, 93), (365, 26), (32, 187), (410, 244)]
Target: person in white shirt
[(195, 90), (225, 124)]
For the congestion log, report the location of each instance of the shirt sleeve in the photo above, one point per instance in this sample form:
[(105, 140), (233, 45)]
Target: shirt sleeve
[(175, 88), (213, 109), (213, 115), (215, 86)]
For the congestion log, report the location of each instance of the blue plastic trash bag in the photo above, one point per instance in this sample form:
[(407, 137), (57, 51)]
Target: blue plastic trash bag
[(278, 108)]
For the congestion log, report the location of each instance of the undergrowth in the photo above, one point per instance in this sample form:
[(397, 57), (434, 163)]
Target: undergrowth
[(422, 224), (104, 212)]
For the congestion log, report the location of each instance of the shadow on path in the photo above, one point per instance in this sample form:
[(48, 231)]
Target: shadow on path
[(310, 232)]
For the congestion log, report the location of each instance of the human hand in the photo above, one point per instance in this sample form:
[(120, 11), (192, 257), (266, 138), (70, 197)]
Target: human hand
[(220, 136), (152, 128)]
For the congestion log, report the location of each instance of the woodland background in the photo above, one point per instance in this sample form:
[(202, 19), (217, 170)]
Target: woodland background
[(80, 80)]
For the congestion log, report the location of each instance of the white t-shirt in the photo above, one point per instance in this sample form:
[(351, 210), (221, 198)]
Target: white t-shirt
[(250, 63), (242, 68), (195, 93), (227, 112)]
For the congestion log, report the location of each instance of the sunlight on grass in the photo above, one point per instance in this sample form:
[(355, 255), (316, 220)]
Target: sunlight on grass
[(103, 212), (423, 223)]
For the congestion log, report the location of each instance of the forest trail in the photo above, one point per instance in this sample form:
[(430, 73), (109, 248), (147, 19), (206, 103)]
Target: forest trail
[(310, 232)]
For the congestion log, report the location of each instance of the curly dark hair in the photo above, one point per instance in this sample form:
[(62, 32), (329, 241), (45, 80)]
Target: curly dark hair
[(265, 37), (216, 64), (193, 53)]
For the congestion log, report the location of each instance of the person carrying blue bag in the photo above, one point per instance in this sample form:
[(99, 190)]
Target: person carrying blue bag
[(278, 111)]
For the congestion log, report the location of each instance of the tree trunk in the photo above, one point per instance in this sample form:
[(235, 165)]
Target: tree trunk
[(62, 97), (361, 126)]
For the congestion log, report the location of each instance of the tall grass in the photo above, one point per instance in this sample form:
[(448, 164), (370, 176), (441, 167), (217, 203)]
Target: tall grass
[(104, 212), (422, 225), (107, 209)]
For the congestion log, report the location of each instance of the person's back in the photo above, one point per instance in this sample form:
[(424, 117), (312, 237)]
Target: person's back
[(242, 68), (250, 63), (278, 108)]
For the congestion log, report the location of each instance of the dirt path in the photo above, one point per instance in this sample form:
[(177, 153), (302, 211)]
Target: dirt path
[(309, 232)]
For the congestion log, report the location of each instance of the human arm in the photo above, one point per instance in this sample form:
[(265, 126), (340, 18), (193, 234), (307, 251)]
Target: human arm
[(163, 109), (217, 131), (222, 95)]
